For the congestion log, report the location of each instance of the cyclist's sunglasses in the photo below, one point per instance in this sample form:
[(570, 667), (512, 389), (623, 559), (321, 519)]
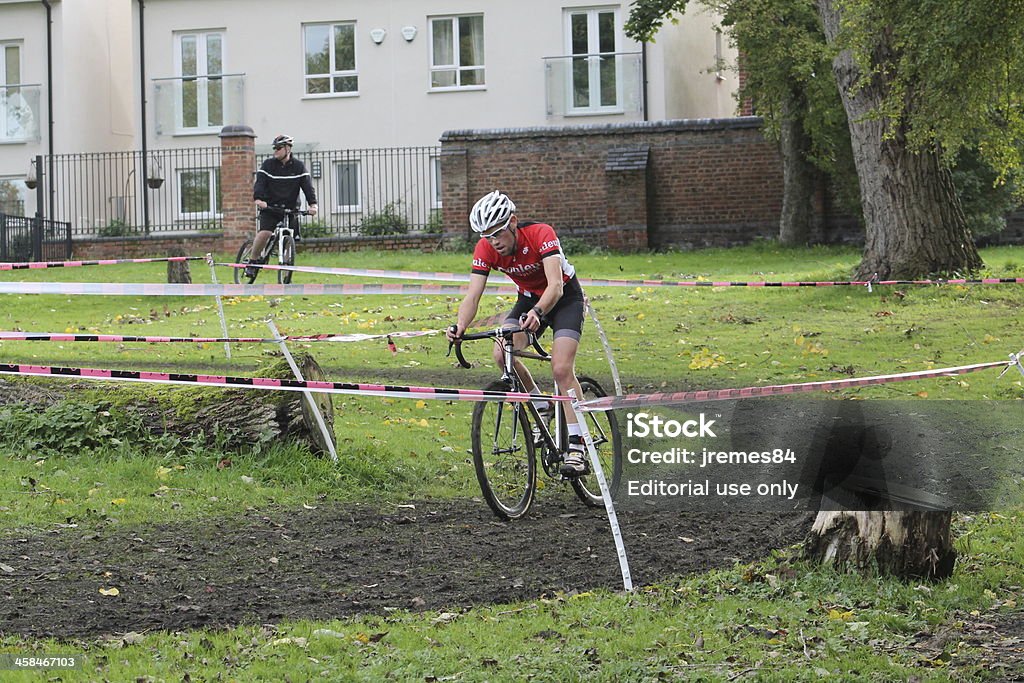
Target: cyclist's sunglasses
[(277, 147), (497, 231)]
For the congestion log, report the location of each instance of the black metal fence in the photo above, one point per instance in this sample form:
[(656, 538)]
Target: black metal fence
[(375, 191), (33, 239), (115, 194), (359, 191)]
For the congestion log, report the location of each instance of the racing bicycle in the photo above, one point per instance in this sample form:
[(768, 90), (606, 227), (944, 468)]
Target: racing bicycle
[(281, 242), (508, 436)]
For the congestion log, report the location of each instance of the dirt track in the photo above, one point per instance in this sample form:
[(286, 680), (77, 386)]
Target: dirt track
[(336, 561)]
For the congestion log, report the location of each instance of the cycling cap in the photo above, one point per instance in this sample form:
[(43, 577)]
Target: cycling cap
[(283, 140), (493, 210)]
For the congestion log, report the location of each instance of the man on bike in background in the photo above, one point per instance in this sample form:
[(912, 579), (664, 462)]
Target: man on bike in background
[(277, 185), (549, 296)]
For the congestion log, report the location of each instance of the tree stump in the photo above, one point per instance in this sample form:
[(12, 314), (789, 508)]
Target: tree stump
[(909, 544), (231, 419), (178, 271)]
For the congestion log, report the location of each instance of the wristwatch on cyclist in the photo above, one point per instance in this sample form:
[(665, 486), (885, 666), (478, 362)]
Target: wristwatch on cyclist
[(539, 312)]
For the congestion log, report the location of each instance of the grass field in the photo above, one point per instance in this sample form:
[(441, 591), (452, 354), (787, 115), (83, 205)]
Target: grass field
[(776, 620)]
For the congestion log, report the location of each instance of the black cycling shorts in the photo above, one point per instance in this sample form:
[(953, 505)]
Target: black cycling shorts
[(565, 319), (270, 219)]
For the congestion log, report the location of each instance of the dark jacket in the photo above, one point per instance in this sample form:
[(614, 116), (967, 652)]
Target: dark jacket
[(278, 184)]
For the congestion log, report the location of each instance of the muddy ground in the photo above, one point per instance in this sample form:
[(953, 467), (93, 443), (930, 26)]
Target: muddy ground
[(334, 561)]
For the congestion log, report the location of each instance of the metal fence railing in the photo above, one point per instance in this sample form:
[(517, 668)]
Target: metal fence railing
[(109, 194), (375, 191), (360, 192), (33, 239)]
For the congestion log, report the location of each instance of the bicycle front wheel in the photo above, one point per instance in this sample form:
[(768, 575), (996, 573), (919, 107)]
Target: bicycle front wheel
[(287, 259), (604, 430), (503, 455), (244, 253)]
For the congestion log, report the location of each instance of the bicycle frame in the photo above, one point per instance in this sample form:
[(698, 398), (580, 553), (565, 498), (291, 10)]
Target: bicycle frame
[(505, 455), (282, 230), (281, 240), (555, 445)]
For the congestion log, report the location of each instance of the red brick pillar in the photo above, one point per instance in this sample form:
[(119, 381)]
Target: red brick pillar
[(455, 204), (626, 198), (237, 166)]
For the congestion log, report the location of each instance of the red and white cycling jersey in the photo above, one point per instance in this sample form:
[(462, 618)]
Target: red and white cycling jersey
[(534, 243)]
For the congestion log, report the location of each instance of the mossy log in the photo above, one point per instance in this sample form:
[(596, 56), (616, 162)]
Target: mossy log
[(232, 419)]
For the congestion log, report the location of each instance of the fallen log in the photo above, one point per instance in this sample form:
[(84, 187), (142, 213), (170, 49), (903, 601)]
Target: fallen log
[(231, 419)]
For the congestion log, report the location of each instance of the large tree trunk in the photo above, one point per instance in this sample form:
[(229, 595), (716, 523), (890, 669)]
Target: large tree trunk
[(904, 544), (914, 224), (797, 220)]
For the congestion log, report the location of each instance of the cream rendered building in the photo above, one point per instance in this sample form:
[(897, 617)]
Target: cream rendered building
[(335, 74)]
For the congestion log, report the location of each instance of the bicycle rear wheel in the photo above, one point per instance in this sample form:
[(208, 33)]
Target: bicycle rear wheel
[(244, 253), (604, 430), (287, 259), (503, 455)]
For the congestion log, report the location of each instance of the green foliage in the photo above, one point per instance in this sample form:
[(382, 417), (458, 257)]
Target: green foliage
[(789, 75), (116, 228), (316, 228), (435, 224), (67, 426), (460, 245), (986, 199), (580, 245), (953, 71), (388, 221)]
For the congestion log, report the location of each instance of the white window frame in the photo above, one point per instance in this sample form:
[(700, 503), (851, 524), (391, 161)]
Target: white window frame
[(333, 71), (216, 210), (459, 70), (17, 183), (5, 131), (202, 77), (335, 169), (594, 73), (435, 181)]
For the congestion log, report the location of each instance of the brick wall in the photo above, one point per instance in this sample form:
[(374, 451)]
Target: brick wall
[(199, 245), (145, 247), (704, 182)]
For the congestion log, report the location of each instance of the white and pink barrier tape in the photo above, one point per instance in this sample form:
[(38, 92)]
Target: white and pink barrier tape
[(160, 289), (64, 337), (662, 399), (599, 282), (273, 384), (34, 265), (597, 404)]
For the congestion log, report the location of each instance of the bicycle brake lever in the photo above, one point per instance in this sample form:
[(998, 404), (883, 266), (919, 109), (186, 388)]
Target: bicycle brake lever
[(451, 343)]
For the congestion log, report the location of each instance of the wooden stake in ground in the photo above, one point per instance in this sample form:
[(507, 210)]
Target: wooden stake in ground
[(178, 271)]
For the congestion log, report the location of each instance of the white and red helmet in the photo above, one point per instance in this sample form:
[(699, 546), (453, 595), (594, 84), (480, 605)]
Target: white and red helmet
[(492, 211)]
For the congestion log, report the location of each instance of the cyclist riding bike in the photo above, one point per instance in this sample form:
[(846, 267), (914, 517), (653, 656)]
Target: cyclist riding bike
[(550, 295), (277, 185)]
